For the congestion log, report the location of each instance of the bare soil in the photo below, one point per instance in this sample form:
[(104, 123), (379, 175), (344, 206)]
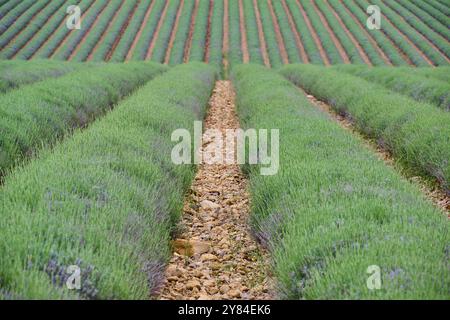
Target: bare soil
[(244, 45), (215, 257)]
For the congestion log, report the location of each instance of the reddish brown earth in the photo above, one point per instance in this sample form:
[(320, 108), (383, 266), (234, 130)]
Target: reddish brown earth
[(156, 34), (66, 37), (335, 40), (121, 32), (139, 33), (187, 47), (316, 39), (31, 38), (431, 44), (173, 32), (225, 44), (355, 42), (298, 40), (279, 36), (369, 37), (244, 45), (105, 32), (215, 257), (208, 32), (262, 40)]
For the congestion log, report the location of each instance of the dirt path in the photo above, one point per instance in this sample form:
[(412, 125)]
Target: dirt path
[(34, 35), (244, 45), (436, 195), (278, 35), (355, 42), (208, 32), (173, 33), (226, 262), (336, 41), (431, 44), (298, 40), (368, 36), (187, 47), (226, 34), (151, 47), (316, 39), (105, 32), (139, 33), (122, 30), (262, 40)]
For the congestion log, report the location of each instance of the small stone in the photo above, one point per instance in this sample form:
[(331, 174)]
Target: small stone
[(206, 204), (203, 297), (234, 293), (200, 247), (191, 284), (208, 257), (224, 289), (216, 266)]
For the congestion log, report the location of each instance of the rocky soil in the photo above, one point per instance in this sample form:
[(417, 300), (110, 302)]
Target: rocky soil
[(215, 256)]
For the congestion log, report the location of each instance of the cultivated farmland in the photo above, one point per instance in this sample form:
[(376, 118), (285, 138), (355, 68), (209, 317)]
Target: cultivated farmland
[(258, 31), (224, 149)]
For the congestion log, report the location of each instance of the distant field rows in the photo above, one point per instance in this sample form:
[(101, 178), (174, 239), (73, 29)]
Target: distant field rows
[(266, 32)]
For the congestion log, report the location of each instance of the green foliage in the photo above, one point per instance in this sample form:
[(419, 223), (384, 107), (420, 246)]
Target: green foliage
[(253, 45), (407, 81), (323, 34), (334, 208), (56, 36), (381, 38), (130, 33), (394, 11), (15, 73), (93, 37), (416, 134), (148, 32), (199, 36), (305, 35), (106, 199), (177, 53), (42, 112), (234, 37), (162, 41)]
